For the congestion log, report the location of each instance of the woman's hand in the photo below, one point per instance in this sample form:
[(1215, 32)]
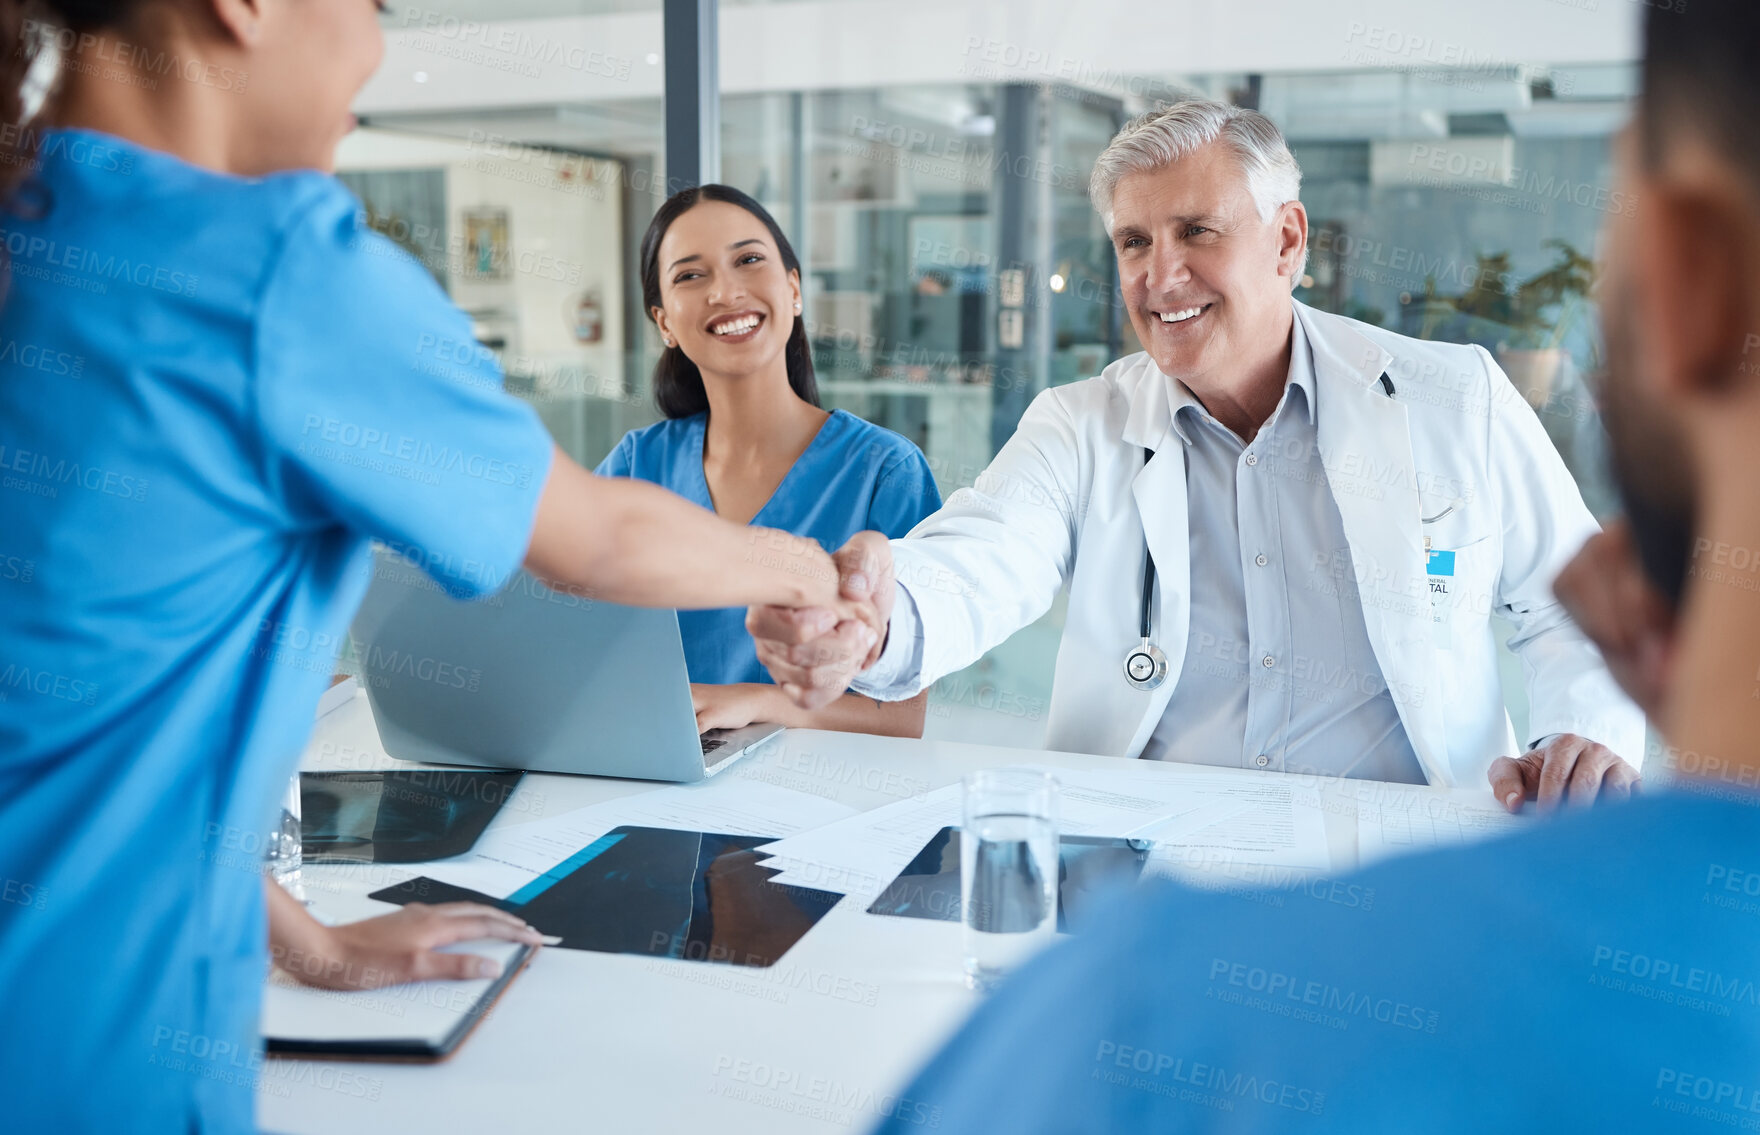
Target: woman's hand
[(738, 705), (392, 948)]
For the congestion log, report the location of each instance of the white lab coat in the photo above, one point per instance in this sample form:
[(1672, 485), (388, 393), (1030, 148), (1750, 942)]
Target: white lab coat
[(1069, 501)]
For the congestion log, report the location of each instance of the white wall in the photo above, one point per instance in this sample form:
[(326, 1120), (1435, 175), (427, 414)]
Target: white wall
[(565, 234), (564, 229), (1125, 47)]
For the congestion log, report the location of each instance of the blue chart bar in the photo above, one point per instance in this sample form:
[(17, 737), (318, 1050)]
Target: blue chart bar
[(562, 870)]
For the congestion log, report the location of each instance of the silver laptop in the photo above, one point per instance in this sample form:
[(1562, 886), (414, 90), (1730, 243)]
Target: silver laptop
[(531, 678)]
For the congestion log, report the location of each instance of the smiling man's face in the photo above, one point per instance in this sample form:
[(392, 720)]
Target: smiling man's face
[(1206, 280)]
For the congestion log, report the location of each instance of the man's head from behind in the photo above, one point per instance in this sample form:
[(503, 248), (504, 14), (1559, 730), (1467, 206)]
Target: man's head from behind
[(1681, 297), (1200, 200)]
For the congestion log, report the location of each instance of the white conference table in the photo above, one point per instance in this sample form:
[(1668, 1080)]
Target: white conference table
[(598, 1042)]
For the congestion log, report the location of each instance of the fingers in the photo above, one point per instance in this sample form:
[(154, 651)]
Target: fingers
[(463, 921), (431, 965), (811, 651), (1593, 764), (1513, 780), (1623, 782), (1558, 761), (721, 716), (1601, 774), (865, 569), (1566, 769), (814, 674), (866, 583), (790, 625), (862, 563), (403, 946), (809, 688), (842, 649), (451, 922)]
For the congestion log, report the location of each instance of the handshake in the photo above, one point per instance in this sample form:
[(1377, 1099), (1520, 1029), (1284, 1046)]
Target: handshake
[(814, 652)]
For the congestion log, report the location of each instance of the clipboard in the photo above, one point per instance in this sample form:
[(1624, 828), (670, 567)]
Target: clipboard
[(422, 1022)]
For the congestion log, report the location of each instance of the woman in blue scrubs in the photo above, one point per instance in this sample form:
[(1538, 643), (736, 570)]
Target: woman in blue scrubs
[(217, 388), (745, 436)]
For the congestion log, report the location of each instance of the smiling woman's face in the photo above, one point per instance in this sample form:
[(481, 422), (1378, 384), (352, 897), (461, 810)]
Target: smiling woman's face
[(726, 299)]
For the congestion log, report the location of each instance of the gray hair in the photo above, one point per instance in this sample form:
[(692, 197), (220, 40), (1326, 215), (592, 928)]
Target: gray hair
[(1161, 137)]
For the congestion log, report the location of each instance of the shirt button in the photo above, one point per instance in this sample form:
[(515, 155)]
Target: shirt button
[(1252, 459), (1260, 559), (1268, 662), (1261, 760)]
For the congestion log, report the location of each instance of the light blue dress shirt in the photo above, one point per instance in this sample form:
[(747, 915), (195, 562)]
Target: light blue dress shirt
[(1278, 673), (854, 476), (215, 392)]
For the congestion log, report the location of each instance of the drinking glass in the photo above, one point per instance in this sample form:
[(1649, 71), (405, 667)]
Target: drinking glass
[(1008, 870), (284, 853)]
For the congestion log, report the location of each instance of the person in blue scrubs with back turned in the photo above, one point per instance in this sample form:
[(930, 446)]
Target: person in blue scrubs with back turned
[(745, 435), (217, 387)]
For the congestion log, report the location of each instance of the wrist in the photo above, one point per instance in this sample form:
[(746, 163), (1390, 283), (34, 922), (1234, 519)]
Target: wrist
[(317, 956), (803, 573), (774, 706)]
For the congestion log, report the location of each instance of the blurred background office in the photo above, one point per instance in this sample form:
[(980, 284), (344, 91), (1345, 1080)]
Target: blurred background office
[(929, 161)]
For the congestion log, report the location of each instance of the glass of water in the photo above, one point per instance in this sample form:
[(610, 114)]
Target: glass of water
[(285, 851), (1007, 870)]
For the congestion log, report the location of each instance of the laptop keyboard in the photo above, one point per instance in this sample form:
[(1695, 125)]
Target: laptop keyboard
[(710, 744)]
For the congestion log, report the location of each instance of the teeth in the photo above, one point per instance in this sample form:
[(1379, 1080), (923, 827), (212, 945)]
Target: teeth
[(735, 326), (1180, 316)]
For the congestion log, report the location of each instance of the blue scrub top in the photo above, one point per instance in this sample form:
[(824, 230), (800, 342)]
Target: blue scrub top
[(1597, 973), (853, 477), (214, 392)]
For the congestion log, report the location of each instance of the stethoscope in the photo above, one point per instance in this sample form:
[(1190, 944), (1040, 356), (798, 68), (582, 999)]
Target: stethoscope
[(1145, 666)]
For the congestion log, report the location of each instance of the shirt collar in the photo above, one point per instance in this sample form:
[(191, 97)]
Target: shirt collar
[(1301, 377)]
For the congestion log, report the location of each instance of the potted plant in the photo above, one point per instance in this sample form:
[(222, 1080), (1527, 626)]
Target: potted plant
[(1524, 325)]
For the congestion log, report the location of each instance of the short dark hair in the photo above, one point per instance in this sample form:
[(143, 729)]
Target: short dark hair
[(1702, 74), (678, 384)]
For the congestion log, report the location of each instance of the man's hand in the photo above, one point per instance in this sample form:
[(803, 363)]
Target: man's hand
[(1566, 767), (1606, 591), (394, 948), (813, 653)]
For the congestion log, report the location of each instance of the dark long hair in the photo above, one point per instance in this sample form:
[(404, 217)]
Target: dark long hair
[(678, 384), (27, 29)]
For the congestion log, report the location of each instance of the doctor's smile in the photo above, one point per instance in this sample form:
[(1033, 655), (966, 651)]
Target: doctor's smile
[(1182, 315)]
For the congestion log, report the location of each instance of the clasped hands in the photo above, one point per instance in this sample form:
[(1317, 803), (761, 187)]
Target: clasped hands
[(814, 652)]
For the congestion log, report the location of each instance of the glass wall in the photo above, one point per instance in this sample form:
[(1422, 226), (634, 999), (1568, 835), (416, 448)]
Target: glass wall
[(1482, 230), (529, 214), (530, 221), (945, 289)]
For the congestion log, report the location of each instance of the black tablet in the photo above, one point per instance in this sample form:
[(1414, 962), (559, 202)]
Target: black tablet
[(398, 816)]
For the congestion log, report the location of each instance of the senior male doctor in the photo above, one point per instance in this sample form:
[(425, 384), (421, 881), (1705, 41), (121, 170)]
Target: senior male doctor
[(1284, 532)]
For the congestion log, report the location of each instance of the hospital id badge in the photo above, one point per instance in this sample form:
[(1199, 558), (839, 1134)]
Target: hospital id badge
[(1440, 569)]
